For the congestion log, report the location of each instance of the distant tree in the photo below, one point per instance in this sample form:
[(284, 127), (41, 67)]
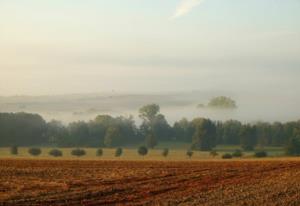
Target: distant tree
[(237, 153), (189, 153), (143, 151), (149, 112), (79, 133), (227, 156), (56, 153), (165, 152), (118, 152), (151, 141), (213, 153), (183, 130), (222, 102), (14, 150), (248, 137), (261, 154), (204, 137), (78, 152), (293, 147), (113, 137), (35, 151), (99, 152), (230, 135)]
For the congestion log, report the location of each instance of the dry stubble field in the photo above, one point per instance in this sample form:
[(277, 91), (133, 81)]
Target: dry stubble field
[(71, 182)]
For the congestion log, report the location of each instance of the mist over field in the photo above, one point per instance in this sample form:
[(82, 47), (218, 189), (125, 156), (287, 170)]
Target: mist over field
[(252, 106)]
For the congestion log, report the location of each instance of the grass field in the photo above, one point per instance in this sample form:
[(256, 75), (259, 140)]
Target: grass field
[(177, 152), (91, 183)]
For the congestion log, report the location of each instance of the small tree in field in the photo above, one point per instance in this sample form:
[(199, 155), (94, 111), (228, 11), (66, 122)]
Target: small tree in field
[(118, 152), (143, 151), (78, 152), (227, 156), (56, 153), (261, 154), (213, 153), (35, 151), (237, 153), (99, 152), (189, 153), (165, 152), (14, 150)]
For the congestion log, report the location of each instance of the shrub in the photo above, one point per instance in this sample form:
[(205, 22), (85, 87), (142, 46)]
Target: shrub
[(14, 150), (189, 153), (261, 154), (56, 153), (237, 153), (99, 152), (118, 152), (165, 152), (78, 152), (143, 150), (213, 153), (227, 156), (35, 151)]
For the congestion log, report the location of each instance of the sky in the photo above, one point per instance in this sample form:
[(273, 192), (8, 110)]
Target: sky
[(77, 46)]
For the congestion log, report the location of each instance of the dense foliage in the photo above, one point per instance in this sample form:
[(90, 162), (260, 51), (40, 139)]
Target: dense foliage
[(25, 129)]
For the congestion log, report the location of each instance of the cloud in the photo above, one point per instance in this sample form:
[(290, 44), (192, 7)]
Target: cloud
[(185, 6)]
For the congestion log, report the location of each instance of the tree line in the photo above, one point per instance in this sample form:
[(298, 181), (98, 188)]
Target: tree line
[(25, 129)]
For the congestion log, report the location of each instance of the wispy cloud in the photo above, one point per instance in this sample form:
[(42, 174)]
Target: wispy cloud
[(185, 6)]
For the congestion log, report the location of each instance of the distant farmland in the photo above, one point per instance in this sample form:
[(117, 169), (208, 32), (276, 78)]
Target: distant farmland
[(72, 182)]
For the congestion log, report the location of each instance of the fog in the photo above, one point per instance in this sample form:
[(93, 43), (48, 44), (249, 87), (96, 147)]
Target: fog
[(252, 107)]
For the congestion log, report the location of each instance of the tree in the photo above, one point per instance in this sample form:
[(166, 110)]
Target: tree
[(56, 153), (14, 150), (183, 130), (165, 152), (113, 137), (35, 151), (143, 151), (204, 137), (227, 156), (78, 152), (293, 147), (213, 153), (231, 131), (151, 141), (222, 102), (149, 112), (189, 153), (99, 152), (248, 137), (237, 153), (79, 133), (261, 154), (118, 152)]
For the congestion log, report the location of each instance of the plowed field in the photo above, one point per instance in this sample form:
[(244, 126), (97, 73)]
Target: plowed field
[(71, 182)]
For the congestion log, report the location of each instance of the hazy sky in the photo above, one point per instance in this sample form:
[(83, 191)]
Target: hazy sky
[(75, 46)]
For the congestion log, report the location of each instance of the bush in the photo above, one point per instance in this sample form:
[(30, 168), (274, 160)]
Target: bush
[(99, 152), (237, 153), (14, 150), (118, 152), (261, 154), (56, 153), (227, 156), (189, 153), (165, 152), (35, 151), (143, 150), (78, 152), (213, 153)]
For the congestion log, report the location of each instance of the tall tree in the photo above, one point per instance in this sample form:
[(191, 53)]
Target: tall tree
[(204, 137)]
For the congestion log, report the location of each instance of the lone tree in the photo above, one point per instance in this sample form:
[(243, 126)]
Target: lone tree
[(165, 152), (78, 152), (143, 151), (204, 137), (237, 153), (14, 150), (222, 102), (99, 152), (56, 153), (189, 153), (118, 152), (35, 151), (261, 154), (213, 153), (293, 147), (227, 156)]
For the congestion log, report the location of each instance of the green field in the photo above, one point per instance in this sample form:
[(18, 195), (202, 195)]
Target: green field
[(176, 152)]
